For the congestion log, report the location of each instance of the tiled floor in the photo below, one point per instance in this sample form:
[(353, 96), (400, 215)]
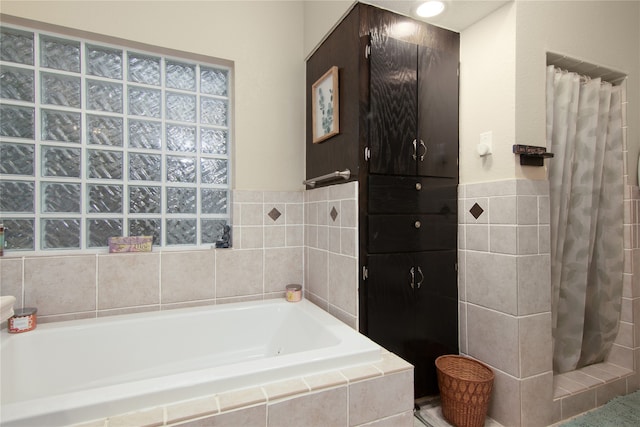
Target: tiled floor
[(430, 415)]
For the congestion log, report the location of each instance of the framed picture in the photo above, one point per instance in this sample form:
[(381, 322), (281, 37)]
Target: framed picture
[(325, 106)]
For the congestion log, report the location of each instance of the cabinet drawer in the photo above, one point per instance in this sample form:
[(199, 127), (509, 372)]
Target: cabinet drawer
[(410, 233), (402, 194)]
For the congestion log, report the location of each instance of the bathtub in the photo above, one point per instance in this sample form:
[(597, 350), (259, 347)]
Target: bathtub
[(75, 371)]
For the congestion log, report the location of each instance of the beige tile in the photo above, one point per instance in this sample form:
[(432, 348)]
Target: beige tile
[(544, 237), (527, 239), (391, 363), (543, 210), (335, 237), (504, 406), (268, 207), (406, 419), (95, 423), (380, 397), (597, 372), (254, 416), (252, 237), (318, 275), (343, 282), (275, 237), (361, 372), (349, 241), (239, 273), (503, 239), (282, 266), (60, 285), (325, 380), (502, 210), (294, 235), (349, 213), (537, 393), (282, 389), (324, 408), (238, 398), (625, 334), (527, 210), (535, 345), (11, 279), (323, 214), (149, 418), (192, 409), (251, 214), (610, 390), (564, 382), (126, 280), (534, 282), (188, 276), (493, 338), (311, 235), (616, 370), (294, 214), (578, 403), (347, 190), (462, 327), (477, 237), (350, 320), (493, 281), (582, 378), (323, 237)]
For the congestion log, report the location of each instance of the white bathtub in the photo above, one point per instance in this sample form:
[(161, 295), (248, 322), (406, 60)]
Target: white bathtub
[(68, 372)]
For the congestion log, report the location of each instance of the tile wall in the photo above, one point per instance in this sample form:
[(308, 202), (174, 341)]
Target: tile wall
[(267, 255), (505, 307), (331, 250)]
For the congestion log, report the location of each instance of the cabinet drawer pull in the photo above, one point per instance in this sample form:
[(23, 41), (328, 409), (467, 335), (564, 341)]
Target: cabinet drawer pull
[(417, 224), (424, 153), (412, 273), (415, 149), (421, 278)]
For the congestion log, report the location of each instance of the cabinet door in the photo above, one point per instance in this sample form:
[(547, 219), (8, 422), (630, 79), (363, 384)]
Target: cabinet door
[(390, 301), (393, 106), (438, 112)]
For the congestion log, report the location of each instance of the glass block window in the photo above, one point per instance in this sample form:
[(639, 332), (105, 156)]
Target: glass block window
[(99, 140)]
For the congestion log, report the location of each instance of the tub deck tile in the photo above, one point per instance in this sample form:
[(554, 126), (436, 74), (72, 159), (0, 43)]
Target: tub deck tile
[(153, 417), (392, 363), (191, 409), (325, 380), (238, 398), (359, 373), (285, 388)]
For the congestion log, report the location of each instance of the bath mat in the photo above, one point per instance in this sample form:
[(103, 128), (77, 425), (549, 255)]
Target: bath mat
[(623, 411)]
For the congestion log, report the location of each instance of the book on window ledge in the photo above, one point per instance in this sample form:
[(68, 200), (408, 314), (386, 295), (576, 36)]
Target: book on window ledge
[(130, 244)]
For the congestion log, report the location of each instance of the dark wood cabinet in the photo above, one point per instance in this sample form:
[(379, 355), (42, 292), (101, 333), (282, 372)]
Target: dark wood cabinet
[(399, 137)]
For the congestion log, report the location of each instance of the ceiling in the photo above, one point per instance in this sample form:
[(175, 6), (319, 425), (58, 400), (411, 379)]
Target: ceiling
[(458, 15)]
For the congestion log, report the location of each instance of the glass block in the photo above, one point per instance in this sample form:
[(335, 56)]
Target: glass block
[(104, 130), (61, 161), (17, 196), (60, 197), (211, 230), (144, 69), (145, 167), (60, 90), (146, 227), (17, 159), (214, 81), (213, 111), (181, 138), (16, 83), (17, 122), (145, 200), (59, 54), (99, 231), (103, 96), (213, 201), (61, 234), (182, 231), (104, 164), (214, 141), (19, 234), (181, 108), (104, 61), (145, 102), (60, 126), (144, 134), (181, 200), (104, 198), (180, 75), (213, 171), (181, 169), (16, 46)]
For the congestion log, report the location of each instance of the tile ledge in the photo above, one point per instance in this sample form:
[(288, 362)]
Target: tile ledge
[(560, 393)]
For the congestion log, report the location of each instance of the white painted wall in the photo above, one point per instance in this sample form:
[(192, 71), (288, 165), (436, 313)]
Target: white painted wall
[(502, 78), (320, 17), (263, 39)]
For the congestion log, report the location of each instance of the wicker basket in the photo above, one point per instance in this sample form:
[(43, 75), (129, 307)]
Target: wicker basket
[(465, 389)]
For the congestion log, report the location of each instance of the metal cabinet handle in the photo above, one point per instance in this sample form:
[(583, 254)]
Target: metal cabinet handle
[(424, 153), (415, 149), (418, 186), (421, 278), (417, 224), (413, 278)]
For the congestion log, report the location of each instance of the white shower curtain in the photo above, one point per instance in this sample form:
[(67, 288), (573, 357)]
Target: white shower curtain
[(584, 130)]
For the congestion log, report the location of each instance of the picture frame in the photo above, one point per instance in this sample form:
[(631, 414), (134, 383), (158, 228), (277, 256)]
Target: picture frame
[(325, 105)]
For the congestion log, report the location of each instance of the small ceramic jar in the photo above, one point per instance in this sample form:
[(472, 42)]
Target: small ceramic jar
[(294, 293), (23, 320)]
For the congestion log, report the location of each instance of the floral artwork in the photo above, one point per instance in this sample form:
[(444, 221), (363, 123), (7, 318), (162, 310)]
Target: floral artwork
[(325, 106)]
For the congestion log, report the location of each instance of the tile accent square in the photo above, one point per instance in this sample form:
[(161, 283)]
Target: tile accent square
[(333, 213), (274, 214), (476, 210)]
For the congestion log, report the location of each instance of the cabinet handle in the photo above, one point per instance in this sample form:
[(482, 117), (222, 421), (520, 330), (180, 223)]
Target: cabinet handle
[(421, 278), (412, 273), (418, 186), (417, 224), (424, 153), (415, 149)]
